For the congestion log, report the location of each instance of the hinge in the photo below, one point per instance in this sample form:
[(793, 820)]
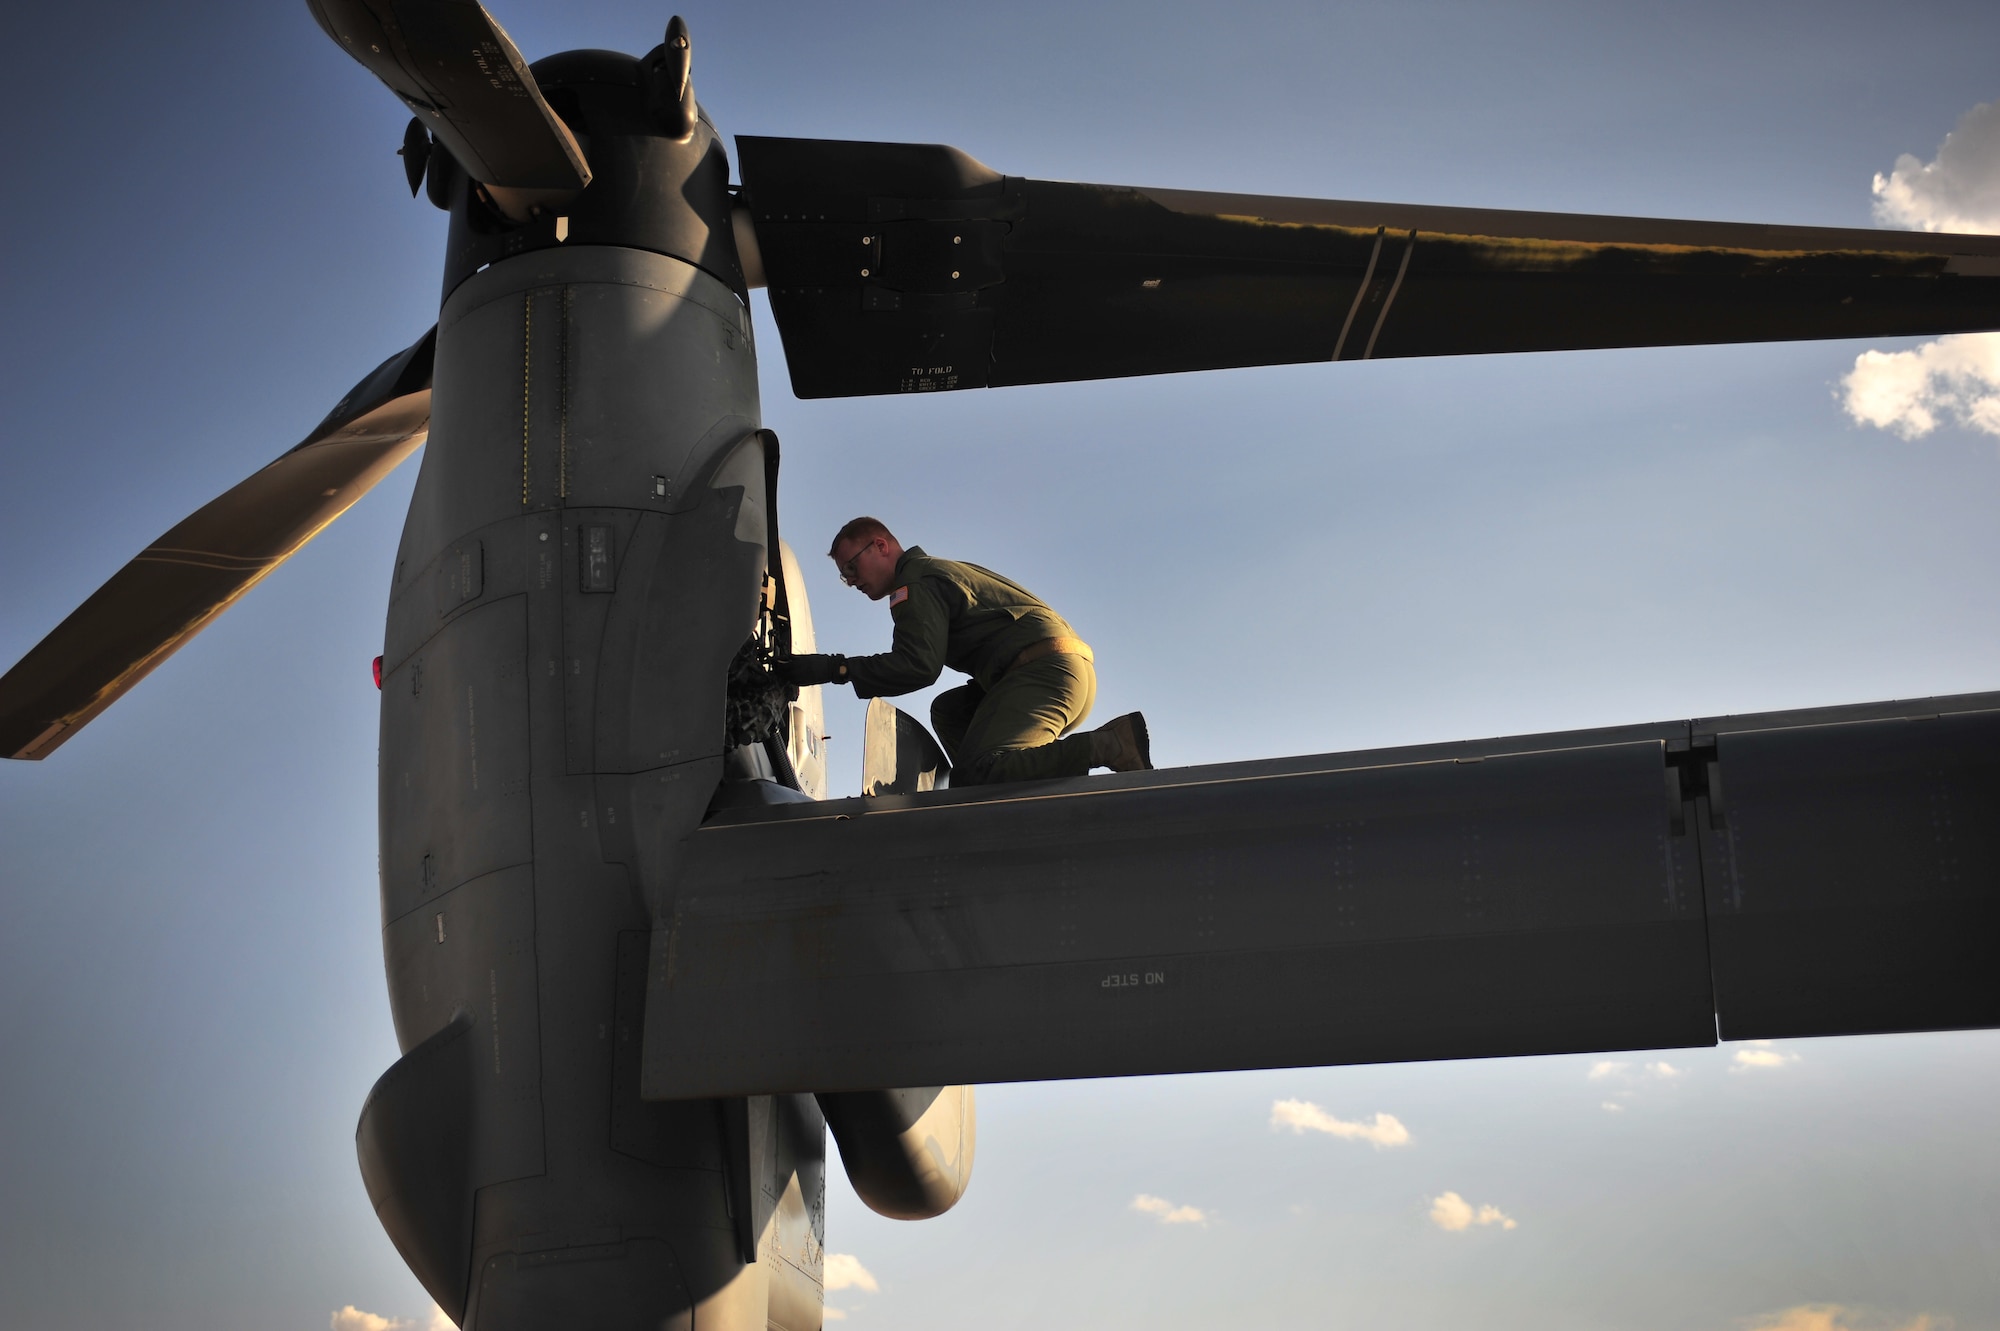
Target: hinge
[(1693, 770)]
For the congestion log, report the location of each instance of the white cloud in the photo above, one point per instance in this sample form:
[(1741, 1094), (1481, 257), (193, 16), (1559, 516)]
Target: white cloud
[(1610, 1069), (1304, 1116), (1953, 380), (1833, 1317), (845, 1271), (1762, 1057), (1960, 191), (1453, 1213), (1168, 1213), (352, 1318)]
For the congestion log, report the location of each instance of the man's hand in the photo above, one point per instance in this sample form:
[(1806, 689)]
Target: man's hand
[(808, 670)]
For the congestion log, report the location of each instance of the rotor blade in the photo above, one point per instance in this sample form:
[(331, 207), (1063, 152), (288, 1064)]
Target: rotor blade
[(1833, 872), (913, 268), (458, 70), (176, 585)]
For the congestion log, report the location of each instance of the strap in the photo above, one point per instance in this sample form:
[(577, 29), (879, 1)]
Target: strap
[(1035, 651)]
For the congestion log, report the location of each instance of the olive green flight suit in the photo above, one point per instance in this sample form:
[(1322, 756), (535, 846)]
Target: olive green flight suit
[(1011, 722)]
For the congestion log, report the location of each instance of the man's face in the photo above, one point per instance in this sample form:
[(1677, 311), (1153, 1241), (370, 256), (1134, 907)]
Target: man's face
[(865, 565)]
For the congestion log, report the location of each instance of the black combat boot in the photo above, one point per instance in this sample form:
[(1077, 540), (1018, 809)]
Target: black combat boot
[(1122, 745)]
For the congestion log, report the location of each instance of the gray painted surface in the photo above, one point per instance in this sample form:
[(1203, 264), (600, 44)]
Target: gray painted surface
[(1548, 894), (907, 1152), (551, 729), (898, 755)]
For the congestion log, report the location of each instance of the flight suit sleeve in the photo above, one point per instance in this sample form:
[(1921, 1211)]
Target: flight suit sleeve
[(916, 655)]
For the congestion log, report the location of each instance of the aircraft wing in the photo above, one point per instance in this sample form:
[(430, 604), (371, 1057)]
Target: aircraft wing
[(175, 586), (1787, 874), (914, 268)]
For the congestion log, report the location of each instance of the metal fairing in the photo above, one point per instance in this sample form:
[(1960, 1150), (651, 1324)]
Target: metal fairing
[(649, 192), (806, 737), (584, 552), (907, 1152)]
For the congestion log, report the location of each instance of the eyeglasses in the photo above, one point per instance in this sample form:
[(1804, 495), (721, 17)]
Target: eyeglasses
[(851, 570)]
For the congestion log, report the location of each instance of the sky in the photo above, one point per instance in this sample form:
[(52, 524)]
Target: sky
[(208, 240)]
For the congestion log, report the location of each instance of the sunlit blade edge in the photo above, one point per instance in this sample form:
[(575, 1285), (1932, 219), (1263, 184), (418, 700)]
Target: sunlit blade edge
[(407, 426)]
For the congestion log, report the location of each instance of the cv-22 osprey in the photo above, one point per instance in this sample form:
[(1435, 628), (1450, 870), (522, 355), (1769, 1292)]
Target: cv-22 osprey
[(638, 964)]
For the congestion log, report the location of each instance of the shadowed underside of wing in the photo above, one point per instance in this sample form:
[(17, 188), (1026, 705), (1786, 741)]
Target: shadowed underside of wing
[(1787, 874), (175, 586), (913, 268)]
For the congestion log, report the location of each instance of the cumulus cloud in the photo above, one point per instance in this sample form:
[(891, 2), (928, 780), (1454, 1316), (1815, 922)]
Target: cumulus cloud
[(1168, 1213), (1953, 380), (351, 1318), (1613, 1070), (1760, 1054), (845, 1271), (1960, 191), (1303, 1116), (1453, 1213), (1833, 1317)]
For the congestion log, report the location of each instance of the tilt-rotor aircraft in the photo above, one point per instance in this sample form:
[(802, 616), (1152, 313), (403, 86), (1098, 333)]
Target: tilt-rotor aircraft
[(639, 965)]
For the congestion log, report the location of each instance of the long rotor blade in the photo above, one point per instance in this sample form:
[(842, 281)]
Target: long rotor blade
[(460, 72), (913, 268), (176, 585)]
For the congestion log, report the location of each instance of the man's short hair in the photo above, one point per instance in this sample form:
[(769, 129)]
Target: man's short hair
[(861, 529)]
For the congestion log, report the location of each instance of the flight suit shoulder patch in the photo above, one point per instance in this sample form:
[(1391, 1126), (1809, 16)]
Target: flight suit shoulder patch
[(897, 597)]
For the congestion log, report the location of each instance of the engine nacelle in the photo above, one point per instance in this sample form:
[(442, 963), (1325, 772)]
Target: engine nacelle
[(908, 1152)]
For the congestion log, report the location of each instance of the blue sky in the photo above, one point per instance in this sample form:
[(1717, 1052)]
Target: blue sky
[(208, 240)]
